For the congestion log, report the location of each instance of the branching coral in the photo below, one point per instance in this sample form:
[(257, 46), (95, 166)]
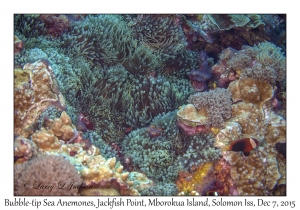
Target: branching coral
[(46, 175)]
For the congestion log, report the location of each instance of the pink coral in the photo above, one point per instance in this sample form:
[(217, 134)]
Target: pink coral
[(193, 130)]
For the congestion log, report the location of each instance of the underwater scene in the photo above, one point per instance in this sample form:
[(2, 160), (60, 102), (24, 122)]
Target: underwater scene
[(150, 104)]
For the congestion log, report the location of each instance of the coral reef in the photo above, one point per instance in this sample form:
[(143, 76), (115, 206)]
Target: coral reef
[(35, 89), (57, 129), (163, 35), (200, 150), (263, 62), (226, 22), (109, 42), (107, 176), (251, 91), (18, 45), (24, 150), (199, 77), (100, 175), (189, 182), (257, 173), (46, 175), (217, 104), (188, 104), (161, 189), (55, 24)]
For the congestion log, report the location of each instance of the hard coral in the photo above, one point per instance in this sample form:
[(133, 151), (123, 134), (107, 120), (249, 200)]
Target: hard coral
[(46, 175), (61, 128), (35, 89), (45, 140), (108, 177), (190, 114), (24, 149), (251, 91), (263, 62), (276, 128), (217, 103), (255, 174)]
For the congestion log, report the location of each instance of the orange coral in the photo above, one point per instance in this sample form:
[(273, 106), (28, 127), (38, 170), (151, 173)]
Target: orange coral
[(24, 149), (45, 140)]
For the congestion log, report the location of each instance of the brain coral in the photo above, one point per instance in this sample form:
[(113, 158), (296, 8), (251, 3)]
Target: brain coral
[(217, 103), (41, 176)]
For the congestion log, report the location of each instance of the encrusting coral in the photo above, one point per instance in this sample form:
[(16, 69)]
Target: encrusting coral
[(100, 175), (35, 88), (255, 174), (251, 91), (57, 129), (24, 150)]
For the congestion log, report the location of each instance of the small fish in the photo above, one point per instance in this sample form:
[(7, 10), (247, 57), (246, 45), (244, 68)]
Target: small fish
[(245, 145)]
